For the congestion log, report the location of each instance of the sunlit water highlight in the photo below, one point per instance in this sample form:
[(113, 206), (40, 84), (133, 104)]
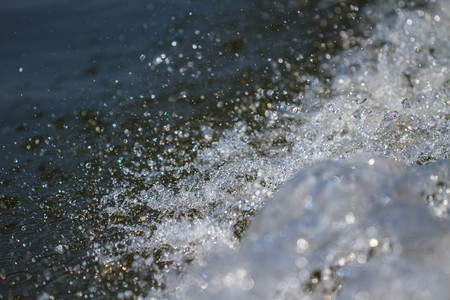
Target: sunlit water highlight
[(183, 191)]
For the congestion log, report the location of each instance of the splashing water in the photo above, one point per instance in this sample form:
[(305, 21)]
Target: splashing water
[(339, 227), (278, 164), (337, 223)]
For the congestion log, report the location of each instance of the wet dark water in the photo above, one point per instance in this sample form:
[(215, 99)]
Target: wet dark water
[(103, 95)]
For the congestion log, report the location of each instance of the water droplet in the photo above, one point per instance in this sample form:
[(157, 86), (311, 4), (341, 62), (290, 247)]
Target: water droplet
[(60, 249)]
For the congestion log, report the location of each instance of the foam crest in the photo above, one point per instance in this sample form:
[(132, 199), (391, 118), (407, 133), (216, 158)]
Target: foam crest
[(338, 223)]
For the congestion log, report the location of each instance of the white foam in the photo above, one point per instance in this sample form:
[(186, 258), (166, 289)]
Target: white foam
[(339, 222), (388, 97)]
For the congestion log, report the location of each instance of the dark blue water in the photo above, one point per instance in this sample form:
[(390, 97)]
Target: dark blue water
[(89, 88)]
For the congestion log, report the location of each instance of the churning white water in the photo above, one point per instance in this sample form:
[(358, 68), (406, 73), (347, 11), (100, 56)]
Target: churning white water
[(362, 219)]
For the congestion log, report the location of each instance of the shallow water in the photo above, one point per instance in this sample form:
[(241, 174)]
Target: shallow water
[(143, 145)]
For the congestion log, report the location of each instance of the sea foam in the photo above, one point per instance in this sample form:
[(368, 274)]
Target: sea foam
[(343, 227)]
